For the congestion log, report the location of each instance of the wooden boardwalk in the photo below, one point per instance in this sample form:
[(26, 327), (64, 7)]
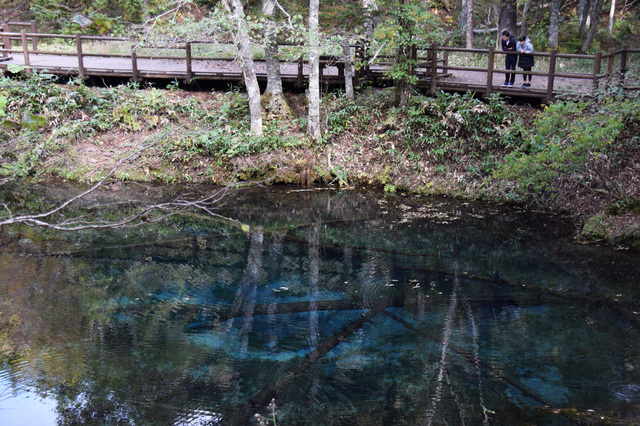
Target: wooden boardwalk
[(548, 80)]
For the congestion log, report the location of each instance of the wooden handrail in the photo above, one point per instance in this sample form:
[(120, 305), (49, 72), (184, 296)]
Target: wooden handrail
[(428, 66)]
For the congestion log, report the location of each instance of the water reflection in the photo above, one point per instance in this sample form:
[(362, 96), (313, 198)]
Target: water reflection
[(334, 308)]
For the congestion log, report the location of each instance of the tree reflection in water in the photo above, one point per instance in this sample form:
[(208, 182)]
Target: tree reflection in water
[(341, 308)]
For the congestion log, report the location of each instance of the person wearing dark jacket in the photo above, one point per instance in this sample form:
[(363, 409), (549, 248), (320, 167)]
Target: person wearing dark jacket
[(511, 58), (525, 59)]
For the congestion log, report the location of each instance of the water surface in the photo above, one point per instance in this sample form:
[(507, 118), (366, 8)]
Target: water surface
[(327, 307)]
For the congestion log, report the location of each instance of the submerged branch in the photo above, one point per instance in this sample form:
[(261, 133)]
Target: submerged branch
[(262, 398), (152, 213)]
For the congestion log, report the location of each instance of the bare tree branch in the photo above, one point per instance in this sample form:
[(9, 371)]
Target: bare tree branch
[(173, 10), (161, 211)]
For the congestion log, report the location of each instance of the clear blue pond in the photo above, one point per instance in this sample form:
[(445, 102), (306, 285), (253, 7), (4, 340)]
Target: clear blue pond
[(326, 308)]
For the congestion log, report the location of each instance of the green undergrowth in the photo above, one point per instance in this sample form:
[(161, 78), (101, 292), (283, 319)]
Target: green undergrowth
[(576, 156), (579, 156), (42, 119)]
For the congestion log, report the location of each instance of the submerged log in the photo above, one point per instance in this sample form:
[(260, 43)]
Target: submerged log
[(264, 397)]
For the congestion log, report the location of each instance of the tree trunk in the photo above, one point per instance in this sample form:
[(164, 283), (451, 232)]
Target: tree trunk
[(464, 11), (596, 10), (348, 69), (243, 44), (583, 13), (496, 14), (554, 22), (402, 86), (273, 95), (313, 122), (508, 17), (524, 28), (612, 15), (469, 24), (246, 294)]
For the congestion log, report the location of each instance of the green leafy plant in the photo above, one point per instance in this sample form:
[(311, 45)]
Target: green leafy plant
[(569, 139)]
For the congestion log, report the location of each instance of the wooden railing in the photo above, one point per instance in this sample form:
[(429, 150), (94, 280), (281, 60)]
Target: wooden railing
[(132, 50), (552, 71), (433, 63), (6, 27)]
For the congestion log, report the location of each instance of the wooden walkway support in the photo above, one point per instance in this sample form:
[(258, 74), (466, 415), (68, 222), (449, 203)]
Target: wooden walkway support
[(437, 68)]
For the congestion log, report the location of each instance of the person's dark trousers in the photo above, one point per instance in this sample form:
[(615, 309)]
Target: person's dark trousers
[(510, 64), (525, 76)]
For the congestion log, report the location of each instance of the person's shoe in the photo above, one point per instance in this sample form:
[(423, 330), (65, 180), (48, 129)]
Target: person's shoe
[(510, 85), (505, 84), (526, 85)]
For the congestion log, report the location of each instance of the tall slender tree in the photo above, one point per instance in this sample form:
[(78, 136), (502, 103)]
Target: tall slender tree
[(243, 43), (273, 95), (554, 23), (508, 17), (612, 15), (469, 26), (594, 17), (313, 120), (524, 26), (583, 16), (466, 22)]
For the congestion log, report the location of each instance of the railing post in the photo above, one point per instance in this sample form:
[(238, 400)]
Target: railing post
[(446, 62), (135, 75), (552, 75), (413, 69), (623, 63), (34, 39), (366, 58), (6, 40), (25, 48), (597, 66), (188, 55), (81, 69), (300, 82), (434, 68), (356, 62), (490, 69), (610, 62)]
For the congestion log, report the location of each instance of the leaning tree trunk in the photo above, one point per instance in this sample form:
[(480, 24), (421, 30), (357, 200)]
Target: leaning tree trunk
[(596, 10), (273, 95), (313, 122), (554, 22), (243, 44)]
